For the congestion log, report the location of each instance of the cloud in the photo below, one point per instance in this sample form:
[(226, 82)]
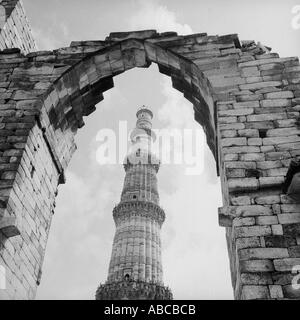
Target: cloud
[(193, 243), (44, 41), (52, 36), (81, 236), (176, 112), (152, 15), (114, 94)]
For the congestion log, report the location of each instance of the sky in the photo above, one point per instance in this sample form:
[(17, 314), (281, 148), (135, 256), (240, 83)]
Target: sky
[(195, 259)]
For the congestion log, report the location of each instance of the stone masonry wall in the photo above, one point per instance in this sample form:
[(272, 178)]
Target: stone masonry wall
[(32, 197), (259, 136), (15, 31), (246, 99)]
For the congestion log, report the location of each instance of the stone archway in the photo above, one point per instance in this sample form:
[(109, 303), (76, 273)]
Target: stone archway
[(246, 99)]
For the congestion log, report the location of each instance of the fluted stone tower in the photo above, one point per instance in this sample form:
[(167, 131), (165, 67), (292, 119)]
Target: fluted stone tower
[(135, 269)]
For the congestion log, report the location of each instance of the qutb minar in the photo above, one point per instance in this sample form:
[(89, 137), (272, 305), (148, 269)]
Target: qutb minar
[(135, 269)]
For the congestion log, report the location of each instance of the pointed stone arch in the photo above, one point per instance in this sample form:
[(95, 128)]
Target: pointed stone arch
[(246, 99), (80, 87)]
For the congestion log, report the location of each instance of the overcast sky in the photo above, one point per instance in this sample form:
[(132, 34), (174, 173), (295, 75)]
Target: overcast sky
[(195, 260)]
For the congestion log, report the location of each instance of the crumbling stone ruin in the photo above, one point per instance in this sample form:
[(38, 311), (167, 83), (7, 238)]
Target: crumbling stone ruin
[(246, 98)]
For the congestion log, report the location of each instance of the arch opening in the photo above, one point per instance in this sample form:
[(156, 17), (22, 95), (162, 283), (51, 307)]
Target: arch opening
[(167, 178), (79, 88), (253, 106)]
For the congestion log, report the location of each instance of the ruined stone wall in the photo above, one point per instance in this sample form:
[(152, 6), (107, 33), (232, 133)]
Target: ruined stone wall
[(28, 183), (259, 136), (246, 99), (15, 31)]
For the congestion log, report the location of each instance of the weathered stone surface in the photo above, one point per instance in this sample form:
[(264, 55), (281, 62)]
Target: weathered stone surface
[(241, 201), (295, 251), (289, 218), (279, 95), (275, 103), (248, 242), (252, 210), (256, 279), (268, 164), (252, 157), (15, 31), (240, 165), (290, 293), (270, 181), (263, 253), (279, 241), (289, 208), (276, 292), (249, 133), (242, 184), (286, 264), (238, 222), (266, 117), (277, 140), (252, 292), (260, 85), (236, 112), (267, 220), (252, 231), (9, 227), (246, 105), (282, 278), (256, 266), (291, 229), (277, 229), (233, 142)]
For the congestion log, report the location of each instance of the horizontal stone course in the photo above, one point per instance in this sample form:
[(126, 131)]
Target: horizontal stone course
[(242, 184), (252, 231), (286, 264), (250, 292), (280, 95), (275, 103), (256, 278), (260, 85), (256, 266), (266, 220), (263, 253), (279, 241), (248, 242), (289, 218)]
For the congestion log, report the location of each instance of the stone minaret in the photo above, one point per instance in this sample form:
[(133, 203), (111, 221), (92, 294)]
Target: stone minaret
[(135, 269)]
